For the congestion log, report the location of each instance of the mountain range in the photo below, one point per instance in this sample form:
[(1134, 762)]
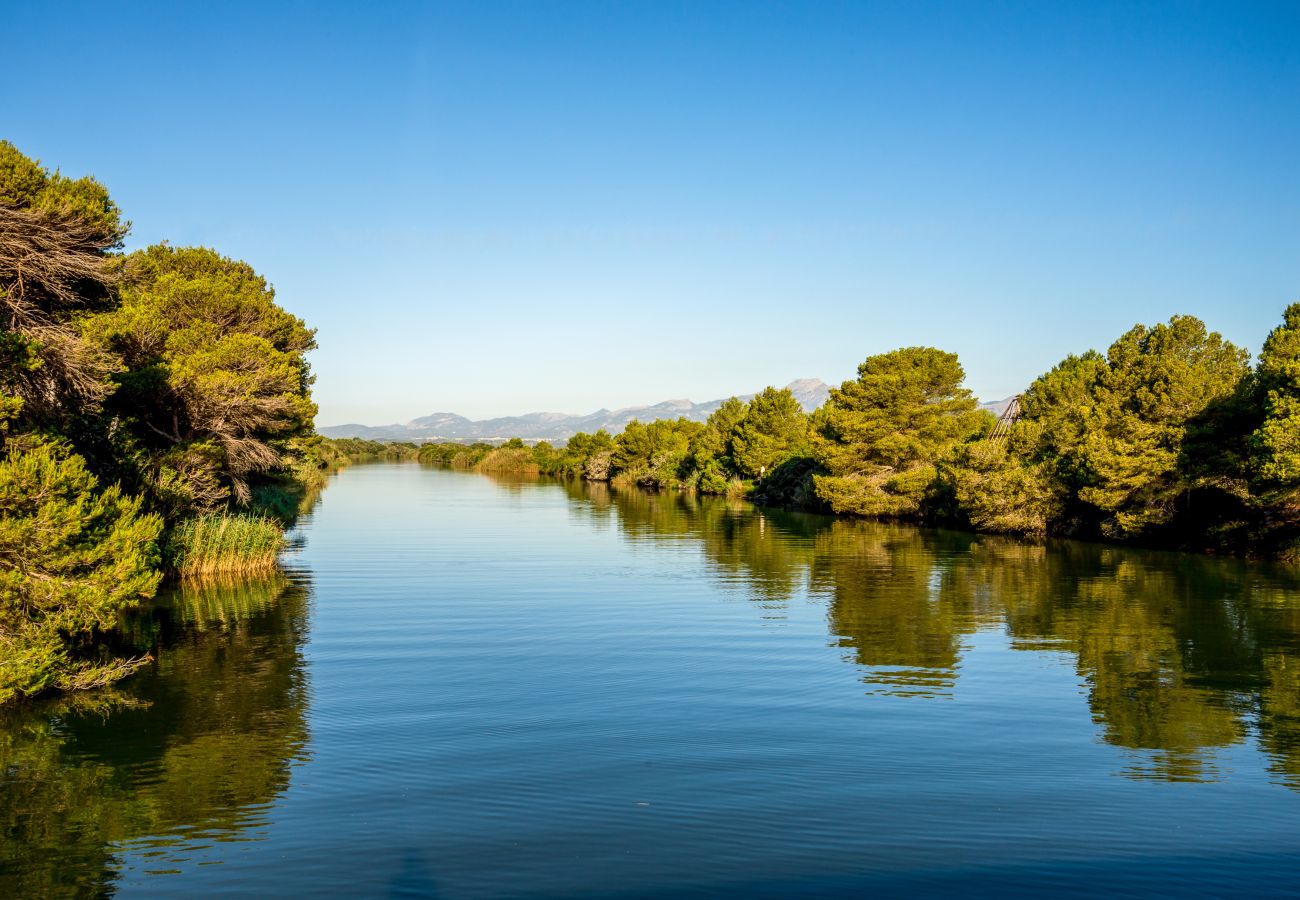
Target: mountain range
[(548, 426)]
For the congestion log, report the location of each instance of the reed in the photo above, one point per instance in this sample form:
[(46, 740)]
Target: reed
[(509, 461), (224, 544)]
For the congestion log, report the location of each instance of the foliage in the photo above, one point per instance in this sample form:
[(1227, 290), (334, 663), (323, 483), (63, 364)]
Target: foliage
[(335, 452), (773, 429), (216, 374), (224, 544), (1277, 440), (999, 492), (26, 185), (135, 393), (72, 557), (654, 454), (510, 460), (54, 236), (1155, 384), (883, 437), (714, 446)]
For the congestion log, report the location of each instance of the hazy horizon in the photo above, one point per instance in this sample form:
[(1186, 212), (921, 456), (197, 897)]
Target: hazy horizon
[(494, 210)]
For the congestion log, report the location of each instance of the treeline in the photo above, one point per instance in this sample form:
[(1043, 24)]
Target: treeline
[(738, 444), (155, 416), (1169, 438), (337, 452)]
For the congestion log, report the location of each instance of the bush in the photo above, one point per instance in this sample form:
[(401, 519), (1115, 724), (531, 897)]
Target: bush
[(72, 558)]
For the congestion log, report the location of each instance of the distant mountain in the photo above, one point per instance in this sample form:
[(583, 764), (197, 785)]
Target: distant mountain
[(548, 426)]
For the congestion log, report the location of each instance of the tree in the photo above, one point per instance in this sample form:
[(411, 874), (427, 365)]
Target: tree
[(1276, 443), (216, 383), (654, 454), (774, 429), (715, 441), (1156, 383), (882, 437), (1000, 492), (1025, 484), (72, 557), (54, 236), (588, 455)]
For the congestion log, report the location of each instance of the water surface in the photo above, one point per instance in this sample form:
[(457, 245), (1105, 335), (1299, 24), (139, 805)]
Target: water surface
[(466, 687)]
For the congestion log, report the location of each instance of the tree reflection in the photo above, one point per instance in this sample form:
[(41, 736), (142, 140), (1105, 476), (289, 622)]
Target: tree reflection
[(1147, 634), (192, 749), (1182, 656), (897, 599)]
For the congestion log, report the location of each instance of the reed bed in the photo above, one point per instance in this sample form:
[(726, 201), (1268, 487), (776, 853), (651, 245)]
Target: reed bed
[(509, 461), (225, 544)]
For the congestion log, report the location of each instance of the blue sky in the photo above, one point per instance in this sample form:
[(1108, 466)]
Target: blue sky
[(494, 208)]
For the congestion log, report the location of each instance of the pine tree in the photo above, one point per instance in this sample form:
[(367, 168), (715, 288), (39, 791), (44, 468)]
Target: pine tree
[(883, 436), (72, 557)]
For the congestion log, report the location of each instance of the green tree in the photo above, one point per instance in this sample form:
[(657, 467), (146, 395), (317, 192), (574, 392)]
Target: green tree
[(773, 429), (1001, 492), (715, 441), (217, 384), (654, 454), (26, 185), (1026, 484), (1156, 383), (72, 557), (712, 450), (1277, 440), (883, 436)]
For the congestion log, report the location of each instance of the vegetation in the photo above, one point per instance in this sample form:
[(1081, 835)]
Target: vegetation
[(72, 557), (156, 415), (882, 438), (336, 452), (158, 400), (1169, 438), (224, 544)]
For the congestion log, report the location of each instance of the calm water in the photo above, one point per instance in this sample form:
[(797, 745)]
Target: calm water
[(475, 688)]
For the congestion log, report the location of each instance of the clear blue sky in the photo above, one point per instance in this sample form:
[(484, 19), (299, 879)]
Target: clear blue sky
[(496, 208)]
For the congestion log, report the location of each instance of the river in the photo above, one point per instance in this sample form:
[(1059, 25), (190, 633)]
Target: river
[(465, 687)]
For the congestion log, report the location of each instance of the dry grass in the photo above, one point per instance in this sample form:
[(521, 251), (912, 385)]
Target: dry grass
[(737, 489), (509, 460)]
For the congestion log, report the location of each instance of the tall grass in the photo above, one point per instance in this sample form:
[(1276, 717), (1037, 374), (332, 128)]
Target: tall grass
[(509, 461), (224, 544)]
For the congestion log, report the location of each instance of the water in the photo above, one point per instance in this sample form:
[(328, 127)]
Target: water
[(467, 687)]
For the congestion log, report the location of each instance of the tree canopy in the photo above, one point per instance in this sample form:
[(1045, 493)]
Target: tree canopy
[(774, 428), (215, 375), (1277, 440), (882, 437)]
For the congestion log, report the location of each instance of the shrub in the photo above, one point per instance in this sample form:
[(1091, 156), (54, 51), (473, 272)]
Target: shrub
[(72, 557)]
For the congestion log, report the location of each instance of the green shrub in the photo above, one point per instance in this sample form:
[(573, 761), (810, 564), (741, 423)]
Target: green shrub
[(72, 557)]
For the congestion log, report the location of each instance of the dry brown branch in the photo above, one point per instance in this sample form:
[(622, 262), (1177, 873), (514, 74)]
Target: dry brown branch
[(52, 266)]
